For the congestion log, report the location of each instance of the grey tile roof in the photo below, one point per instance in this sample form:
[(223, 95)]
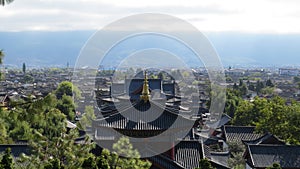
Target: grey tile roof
[(224, 120), (188, 153), (119, 120), (165, 162), (265, 139), (132, 85), (266, 155), (169, 88), (220, 158), (239, 133), (16, 149)]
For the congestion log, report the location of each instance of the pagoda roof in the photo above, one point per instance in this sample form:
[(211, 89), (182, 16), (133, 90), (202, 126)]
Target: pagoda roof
[(123, 119)]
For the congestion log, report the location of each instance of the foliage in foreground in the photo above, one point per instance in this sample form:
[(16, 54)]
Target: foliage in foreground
[(43, 124)]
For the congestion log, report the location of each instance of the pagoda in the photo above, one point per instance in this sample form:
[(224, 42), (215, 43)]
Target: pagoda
[(150, 113)]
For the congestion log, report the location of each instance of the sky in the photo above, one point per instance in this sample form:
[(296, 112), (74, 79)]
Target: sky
[(243, 32), (255, 16)]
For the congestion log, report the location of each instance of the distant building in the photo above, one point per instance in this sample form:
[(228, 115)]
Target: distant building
[(288, 72), (235, 72)]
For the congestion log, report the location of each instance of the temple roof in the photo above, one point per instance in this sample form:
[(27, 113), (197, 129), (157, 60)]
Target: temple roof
[(265, 139), (261, 156), (188, 153), (123, 119), (239, 133)]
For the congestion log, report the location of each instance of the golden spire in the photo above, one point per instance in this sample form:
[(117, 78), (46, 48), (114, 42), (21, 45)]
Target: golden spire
[(145, 92)]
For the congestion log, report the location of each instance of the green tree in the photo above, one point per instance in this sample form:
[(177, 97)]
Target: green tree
[(125, 149), (232, 101), (87, 117), (296, 79), (259, 86), (67, 107), (229, 79), (4, 136), (274, 117), (24, 68), (55, 123), (62, 148), (104, 159), (270, 115), (7, 161), (241, 82), (274, 166), (21, 131), (251, 87), (52, 164), (205, 164), (236, 160), (67, 88), (64, 88), (1, 56), (293, 117), (89, 163), (124, 156), (269, 83), (129, 156), (243, 89), (28, 78), (235, 86), (243, 114), (53, 145), (268, 90), (161, 76)]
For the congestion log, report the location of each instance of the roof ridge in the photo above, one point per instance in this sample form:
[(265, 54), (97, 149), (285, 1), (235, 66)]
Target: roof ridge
[(239, 126)]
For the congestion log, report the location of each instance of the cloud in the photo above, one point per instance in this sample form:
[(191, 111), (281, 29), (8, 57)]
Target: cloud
[(275, 16)]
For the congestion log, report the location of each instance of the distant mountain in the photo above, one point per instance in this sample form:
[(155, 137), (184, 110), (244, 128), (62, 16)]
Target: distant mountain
[(40, 49), (257, 49)]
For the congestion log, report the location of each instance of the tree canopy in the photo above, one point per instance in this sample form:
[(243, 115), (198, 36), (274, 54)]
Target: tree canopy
[(43, 124), (270, 115)]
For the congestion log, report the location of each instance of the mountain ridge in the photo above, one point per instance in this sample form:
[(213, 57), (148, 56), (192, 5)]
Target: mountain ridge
[(46, 49)]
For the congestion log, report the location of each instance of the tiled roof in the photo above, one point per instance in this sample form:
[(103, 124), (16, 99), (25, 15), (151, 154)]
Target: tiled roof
[(220, 158), (169, 88), (223, 120), (188, 153), (265, 155), (117, 88), (265, 139), (119, 120), (239, 133), (16, 149), (132, 85), (165, 162)]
